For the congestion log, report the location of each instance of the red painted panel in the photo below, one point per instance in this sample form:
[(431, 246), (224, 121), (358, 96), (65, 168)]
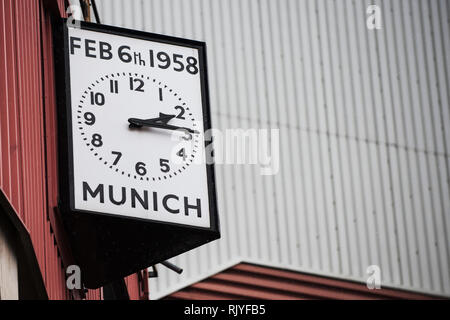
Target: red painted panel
[(7, 100), (246, 281), (137, 285), (28, 136), (133, 286)]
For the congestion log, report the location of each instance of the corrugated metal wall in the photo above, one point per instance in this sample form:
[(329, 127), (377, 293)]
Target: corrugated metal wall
[(364, 134)]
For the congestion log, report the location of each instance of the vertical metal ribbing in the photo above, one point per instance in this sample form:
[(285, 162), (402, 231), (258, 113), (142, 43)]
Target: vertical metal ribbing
[(364, 119)]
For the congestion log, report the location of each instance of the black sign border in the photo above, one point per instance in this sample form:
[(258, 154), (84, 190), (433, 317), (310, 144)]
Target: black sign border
[(64, 112)]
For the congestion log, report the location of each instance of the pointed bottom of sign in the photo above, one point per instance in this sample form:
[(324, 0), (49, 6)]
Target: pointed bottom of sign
[(109, 248)]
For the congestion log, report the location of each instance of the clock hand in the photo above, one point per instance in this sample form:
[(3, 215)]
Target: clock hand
[(160, 122), (138, 123), (163, 117)]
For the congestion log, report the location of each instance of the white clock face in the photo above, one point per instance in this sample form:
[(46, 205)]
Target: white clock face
[(137, 128)]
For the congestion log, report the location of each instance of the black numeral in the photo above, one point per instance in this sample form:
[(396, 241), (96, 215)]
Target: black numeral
[(114, 86), (139, 87), (97, 140), (164, 163), (191, 66), (182, 154), (152, 60), (176, 60), (160, 94), (181, 112), (118, 156), (97, 98), (164, 60), (90, 118), (140, 169)]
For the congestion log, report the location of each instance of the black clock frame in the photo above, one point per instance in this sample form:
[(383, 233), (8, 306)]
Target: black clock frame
[(107, 246)]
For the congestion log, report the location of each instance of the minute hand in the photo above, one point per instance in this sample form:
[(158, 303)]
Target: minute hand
[(161, 125)]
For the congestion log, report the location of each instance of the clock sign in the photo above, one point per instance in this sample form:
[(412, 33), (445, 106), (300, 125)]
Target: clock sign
[(133, 109)]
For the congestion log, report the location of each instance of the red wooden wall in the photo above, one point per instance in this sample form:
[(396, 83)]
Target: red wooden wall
[(28, 158)]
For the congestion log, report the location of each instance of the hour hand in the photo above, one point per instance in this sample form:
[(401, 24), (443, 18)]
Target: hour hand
[(160, 123), (139, 123)]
